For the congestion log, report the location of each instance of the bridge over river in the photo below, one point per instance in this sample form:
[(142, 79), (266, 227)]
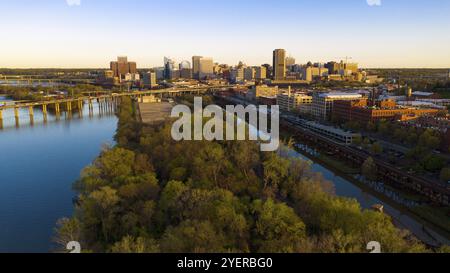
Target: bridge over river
[(107, 101)]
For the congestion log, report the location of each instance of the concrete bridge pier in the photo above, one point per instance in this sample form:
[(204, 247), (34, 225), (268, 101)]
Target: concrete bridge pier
[(57, 110), (1, 119), (44, 112), (69, 106), (31, 113), (80, 107), (16, 116)]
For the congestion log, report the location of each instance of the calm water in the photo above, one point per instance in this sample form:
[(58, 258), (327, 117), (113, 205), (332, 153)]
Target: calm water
[(38, 165)]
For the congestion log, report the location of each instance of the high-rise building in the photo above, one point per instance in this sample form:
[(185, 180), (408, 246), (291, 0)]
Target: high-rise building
[(237, 75), (206, 69), (122, 67), (311, 72), (260, 73), (169, 67), (279, 64), (196, 66), (159, 73), (150, 80), (249, 73), (290, 61), (186, 73)]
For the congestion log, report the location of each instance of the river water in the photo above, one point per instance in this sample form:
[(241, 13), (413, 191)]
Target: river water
[(38, 165), (40, 162)]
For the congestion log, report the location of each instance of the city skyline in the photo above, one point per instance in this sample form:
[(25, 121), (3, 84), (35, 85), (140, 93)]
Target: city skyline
[(83, 35)]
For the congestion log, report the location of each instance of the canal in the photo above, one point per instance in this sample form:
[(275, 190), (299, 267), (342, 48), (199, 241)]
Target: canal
[(40, 162)]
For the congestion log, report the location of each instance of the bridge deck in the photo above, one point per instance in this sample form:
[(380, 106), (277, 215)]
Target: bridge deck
[(115, 95)]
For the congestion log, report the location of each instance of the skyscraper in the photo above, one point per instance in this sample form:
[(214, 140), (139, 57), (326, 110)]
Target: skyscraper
[(206, 68), (169, 67), (261, 73), (196, 66), (150, 80), (290, 61), (122, 67), (279, 64)]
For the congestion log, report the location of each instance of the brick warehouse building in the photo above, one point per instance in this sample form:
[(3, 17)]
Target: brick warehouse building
[(360, 111)]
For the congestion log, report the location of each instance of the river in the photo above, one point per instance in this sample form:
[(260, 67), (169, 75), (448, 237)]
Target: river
[(38, 165), (40, 162)]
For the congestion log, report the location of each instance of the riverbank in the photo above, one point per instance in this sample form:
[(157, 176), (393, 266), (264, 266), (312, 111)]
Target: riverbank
[(431, 223)]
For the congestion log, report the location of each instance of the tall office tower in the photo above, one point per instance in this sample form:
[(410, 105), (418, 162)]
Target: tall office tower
[(122, 59), (279, 64), (290, 61), (132, 68), (150, 80), (237, 75), (261, 73), (206, 68), (249, 73), (122, 67), (169, 67), (196, 66)]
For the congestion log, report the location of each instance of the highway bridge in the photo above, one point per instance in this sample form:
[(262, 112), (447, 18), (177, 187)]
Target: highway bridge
[(104, 100)]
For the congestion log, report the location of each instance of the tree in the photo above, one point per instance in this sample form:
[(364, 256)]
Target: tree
[(116, 163), (428, 140), (245, 155), (369, 169), (208, 163), (135, 245), (67, 230), (275, 171), (434, 163), (376, 148), (277, 228), (445, 174), (98, 213), (193, 236), (357, 140)]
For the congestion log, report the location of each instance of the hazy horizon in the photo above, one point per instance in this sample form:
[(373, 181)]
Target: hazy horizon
[(89, 34)]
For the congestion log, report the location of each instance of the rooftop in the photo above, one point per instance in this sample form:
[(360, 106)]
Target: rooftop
[(340, 95)]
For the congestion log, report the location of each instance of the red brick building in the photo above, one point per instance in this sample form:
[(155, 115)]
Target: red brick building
[(362, 112)]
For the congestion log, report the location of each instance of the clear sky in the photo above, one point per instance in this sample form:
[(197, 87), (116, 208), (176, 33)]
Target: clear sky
[(63, 33)]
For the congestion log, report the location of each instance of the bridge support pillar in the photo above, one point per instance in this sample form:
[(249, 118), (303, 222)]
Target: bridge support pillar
[(44, 112), (57, 110), (31, 112), (16, 116), (1, 119), (80, 107)]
